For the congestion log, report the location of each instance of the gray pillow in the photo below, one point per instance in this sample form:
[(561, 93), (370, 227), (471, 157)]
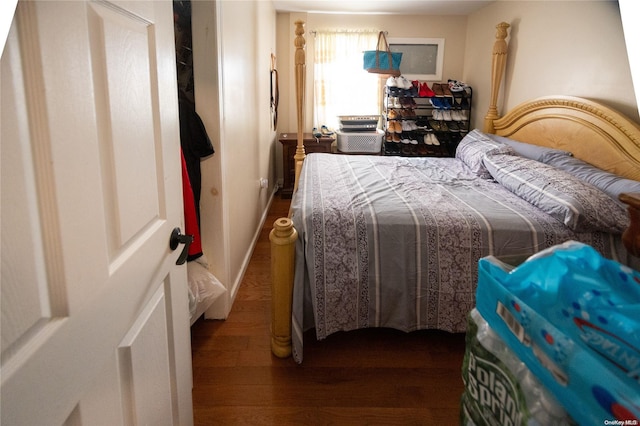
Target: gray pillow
[(474, 146), (527, 150), (610, 183), (579, 205)]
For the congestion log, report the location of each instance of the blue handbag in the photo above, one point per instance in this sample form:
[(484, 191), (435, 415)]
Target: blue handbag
[(382, 61)]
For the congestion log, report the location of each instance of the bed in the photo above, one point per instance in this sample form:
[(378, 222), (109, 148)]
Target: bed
[(375, 241)]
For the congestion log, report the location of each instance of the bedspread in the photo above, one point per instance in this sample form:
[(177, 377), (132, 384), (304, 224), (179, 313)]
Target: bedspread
[(394, 242)]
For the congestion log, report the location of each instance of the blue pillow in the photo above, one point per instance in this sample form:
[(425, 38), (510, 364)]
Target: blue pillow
[(527, 150), (609, 183)]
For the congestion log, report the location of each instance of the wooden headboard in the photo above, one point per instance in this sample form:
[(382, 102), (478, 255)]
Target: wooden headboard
[(590, 131)]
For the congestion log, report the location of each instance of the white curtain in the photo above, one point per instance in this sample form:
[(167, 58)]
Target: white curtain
[(341, 85)]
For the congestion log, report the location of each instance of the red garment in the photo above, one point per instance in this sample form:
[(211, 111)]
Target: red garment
[(190, 218)]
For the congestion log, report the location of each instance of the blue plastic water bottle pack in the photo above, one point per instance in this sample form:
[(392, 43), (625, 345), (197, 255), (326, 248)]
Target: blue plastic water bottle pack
[(573, 317)]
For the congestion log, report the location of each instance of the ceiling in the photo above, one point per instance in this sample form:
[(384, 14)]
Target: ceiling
[(394, 7)]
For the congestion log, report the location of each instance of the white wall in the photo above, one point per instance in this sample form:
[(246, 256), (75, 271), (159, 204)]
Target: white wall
[(555, 48), (233, 41)]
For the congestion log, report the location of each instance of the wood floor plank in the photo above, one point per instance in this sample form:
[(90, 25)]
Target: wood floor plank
[(372, 377)]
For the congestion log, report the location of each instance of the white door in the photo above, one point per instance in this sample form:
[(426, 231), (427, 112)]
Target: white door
[(94, 326)]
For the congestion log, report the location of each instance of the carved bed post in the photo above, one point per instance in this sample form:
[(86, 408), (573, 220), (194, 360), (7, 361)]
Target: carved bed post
[(283, 236), (497, 70), (283, 243), (300, 64)]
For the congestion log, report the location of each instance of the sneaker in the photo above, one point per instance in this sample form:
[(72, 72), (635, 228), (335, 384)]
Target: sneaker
[(326, 131), (391, 82), (425, 91), (403, 83), (456, 86), (455, 115), (316, 133)]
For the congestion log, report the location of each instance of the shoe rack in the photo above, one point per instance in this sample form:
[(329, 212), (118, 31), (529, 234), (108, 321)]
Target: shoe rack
[(423, 121)]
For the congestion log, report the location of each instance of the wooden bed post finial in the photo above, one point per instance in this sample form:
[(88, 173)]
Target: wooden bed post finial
[(283, 238), (497, 70), (300, 68)]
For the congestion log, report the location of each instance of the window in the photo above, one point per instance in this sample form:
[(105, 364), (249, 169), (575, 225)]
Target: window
[(341, 85)]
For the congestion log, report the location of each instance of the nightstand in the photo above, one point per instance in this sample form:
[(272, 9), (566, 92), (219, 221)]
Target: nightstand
[(311, 144)]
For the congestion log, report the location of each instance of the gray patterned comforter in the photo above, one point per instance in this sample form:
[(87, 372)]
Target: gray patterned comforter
[(394, 242)]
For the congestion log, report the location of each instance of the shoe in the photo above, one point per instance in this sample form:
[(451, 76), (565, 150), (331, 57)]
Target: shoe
[(427, 139), (455, 115), (396, 138), (456, 86), (422, 92), (397, 125), (453, 127), (396, 103), (427, 92), (316, 133), (392, 114), (325, 130), (446, 90), (446, 115), (434, 140), (437, 89), (388, 137), (403, 83), (391, 82)]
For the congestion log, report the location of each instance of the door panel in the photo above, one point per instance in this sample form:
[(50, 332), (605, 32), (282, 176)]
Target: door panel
[(145, 378), (126, 130), (95, 326)]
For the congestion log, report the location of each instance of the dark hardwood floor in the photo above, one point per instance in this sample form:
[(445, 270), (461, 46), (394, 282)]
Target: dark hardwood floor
[(367, 377)]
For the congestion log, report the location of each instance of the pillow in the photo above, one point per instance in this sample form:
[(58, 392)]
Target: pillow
[(610, 183), (527, 150), (579, 205), (474, 146)]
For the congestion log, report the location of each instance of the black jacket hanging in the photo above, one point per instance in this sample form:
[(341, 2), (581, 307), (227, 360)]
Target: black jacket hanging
[(195, 145)]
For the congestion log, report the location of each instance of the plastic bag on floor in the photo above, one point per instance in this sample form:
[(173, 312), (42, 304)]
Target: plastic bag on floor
[(573, 317)]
